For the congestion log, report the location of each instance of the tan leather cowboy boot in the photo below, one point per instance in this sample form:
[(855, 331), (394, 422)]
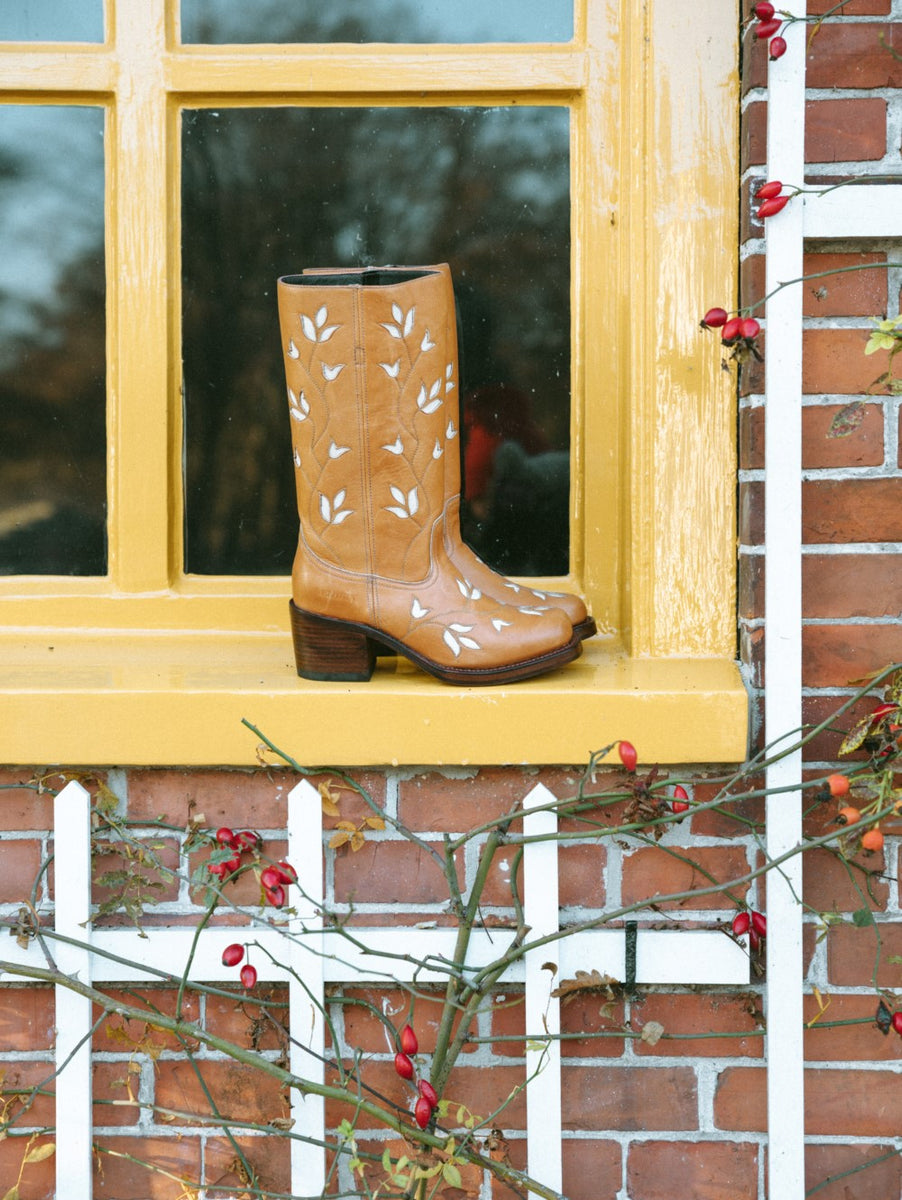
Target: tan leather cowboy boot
[(370, 388), (491, 582)]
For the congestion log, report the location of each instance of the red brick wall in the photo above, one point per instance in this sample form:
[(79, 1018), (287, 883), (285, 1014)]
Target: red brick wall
[(643, 1122)]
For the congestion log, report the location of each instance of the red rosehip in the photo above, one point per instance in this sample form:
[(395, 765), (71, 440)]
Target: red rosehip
[(764, 11), (247, 839), (232, 955), (226, 837), (754, 941), (232, 864), (759, 924), (730, 331), (848, 816), (838, 785), (897, 1022), (766, 28), (881, 711), (872, 841), (680, 801), (741, 923), (749, 328), (777, 48), (423, 1112), (270, 877), (714, 318), (770, 208), (427, 1091), (219, 869), (408, 1040), (248, 976), (628, 755), (403, 1066), (287, 873), (768, 190), (275, 895)]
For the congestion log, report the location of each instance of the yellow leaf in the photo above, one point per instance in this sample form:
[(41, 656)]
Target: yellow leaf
[(329, 800), (375, 822), (13, 1193), (338, 839), (357, 840), (39, 1153), (652, 1032), (349, 825)]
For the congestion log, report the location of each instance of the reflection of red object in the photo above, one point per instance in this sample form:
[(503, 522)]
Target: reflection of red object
[(494, 414), (478, 459)]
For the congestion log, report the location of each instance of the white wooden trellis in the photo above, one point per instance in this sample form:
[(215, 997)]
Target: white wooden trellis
[(318, 957), (870, 211)]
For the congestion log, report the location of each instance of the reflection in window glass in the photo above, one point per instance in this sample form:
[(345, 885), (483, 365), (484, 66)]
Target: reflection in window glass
[(397, 21), (268, 192), (51, 20), (52, 374)]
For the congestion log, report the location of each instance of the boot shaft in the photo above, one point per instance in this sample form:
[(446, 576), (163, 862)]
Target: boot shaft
[(370, 362)]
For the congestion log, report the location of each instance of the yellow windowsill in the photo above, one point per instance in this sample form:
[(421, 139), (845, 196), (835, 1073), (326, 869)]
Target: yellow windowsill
[(120, 697)]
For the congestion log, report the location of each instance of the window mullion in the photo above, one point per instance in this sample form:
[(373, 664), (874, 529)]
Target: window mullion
[(138, 197)]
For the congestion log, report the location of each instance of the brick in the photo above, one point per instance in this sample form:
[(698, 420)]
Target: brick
[(367, 1033), (244, 1021), (852, 510), (852, 955), (848, 130), (855, 8), (876, 1181), (834, 362), (117, 1034), (847, 1043), (268, 1157), (858, 293), (599, 1097), (852, 56), (731, 818), (592, 1014), (837, 655), (863, 447), (740, 1099), (829, 886), (118, 1177), (391, 872), (591, 1168), (845, 130), (115, 1093), (652, 872), (27, 1018), (694, 1014), (852, 585), (38, 1179), (432, 801), (22, 807), (858, 1103), (17, 1079), (20, 861), (818, 709), (751, 513), (581, 876), (750, 590), (705, 1170), (238, 1090)]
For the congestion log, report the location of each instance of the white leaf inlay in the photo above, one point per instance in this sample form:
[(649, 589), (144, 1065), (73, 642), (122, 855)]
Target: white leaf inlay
[(397, 494), (392, 329), (399, 512), (427, 343), (339, 517), (413, 501), (325, 508), (437, 451), (451, 642), (339, 499), (309, 328), (460, 628), (338, 451), (398, 313), (321, 317), (499, 624), (293, 351), (327, 333), (330, 373), (391, 369), (397, 447), (470, 644), (417, 611), (408, 322), (450, 432)]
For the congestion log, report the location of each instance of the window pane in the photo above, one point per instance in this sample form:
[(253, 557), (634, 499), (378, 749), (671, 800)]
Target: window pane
[(268, 192), (51, 20), (397, 21), (52, 373)]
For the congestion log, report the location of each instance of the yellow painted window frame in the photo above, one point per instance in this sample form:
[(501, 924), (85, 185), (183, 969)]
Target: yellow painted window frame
[(150, 666)]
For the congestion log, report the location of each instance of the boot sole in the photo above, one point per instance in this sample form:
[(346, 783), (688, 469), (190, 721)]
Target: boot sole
[(330, 650)]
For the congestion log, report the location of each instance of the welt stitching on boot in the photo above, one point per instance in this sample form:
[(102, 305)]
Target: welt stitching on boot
[(370, 376), (468, 563)]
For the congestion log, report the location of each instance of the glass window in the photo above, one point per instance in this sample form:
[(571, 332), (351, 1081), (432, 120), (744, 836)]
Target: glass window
[(52, 333), (397, 21), (51, 20), (271, 191)]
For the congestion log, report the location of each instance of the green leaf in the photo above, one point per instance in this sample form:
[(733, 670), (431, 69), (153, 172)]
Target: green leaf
[(13, 1193), (386, 1161), (879, 341), (451, 1175), (39, 1153), (862, 917)]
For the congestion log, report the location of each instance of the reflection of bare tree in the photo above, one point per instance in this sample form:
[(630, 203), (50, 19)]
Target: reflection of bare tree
[(270, 191), (52, 412)]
